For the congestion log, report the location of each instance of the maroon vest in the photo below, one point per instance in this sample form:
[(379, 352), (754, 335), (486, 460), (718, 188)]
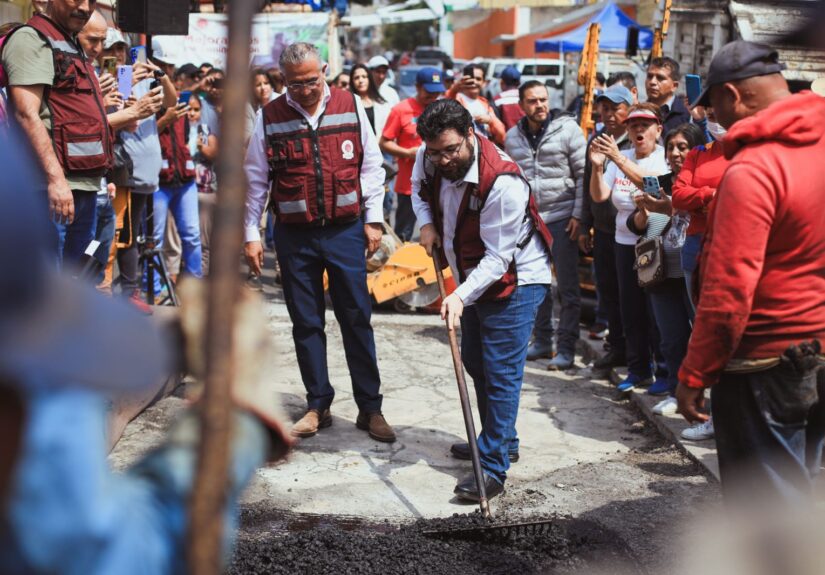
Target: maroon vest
[(511, 112), (178, 167), (315, 174), (467, 245), (82, 138)]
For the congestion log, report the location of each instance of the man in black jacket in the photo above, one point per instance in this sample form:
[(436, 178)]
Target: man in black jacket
[(661, 84)]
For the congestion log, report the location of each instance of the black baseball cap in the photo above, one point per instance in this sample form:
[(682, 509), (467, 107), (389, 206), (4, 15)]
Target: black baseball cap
[(738, 60)]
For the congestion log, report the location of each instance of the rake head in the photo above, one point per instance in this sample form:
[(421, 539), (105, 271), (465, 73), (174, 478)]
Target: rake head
[(498, 531)]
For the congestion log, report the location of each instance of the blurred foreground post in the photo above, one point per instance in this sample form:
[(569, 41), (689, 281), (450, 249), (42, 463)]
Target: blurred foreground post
[(208, 499)]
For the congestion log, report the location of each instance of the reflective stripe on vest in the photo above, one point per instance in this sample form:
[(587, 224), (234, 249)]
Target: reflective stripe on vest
[(294, 207), (345, 200), (63, 46), (285, 127), (338, 119), (82, 149)]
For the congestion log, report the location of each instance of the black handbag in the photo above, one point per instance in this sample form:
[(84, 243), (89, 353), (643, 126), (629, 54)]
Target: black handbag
[(123, 169), (650, 261)]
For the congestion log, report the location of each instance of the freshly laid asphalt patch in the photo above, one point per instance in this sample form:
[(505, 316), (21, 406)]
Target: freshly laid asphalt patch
[(325, 546)]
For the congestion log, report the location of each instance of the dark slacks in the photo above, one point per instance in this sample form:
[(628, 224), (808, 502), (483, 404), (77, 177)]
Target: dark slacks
[(769, 429), (635, 314), (303, 254), (404, 218), (607, 284)]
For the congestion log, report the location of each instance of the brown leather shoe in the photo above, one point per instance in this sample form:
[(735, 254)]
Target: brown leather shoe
[(377, 426), (310, 423)]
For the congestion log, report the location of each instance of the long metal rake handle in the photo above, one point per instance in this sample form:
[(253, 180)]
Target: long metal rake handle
[(466, 409)]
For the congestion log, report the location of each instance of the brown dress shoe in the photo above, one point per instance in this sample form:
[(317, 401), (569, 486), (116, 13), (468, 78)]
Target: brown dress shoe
[(377, 426), (310, 423)]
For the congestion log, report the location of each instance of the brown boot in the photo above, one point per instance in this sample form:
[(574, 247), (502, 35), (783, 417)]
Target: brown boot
[(310, 423), (377, 426)]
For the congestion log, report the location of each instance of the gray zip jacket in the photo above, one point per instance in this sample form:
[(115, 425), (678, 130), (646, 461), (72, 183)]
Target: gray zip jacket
[(555, 170)]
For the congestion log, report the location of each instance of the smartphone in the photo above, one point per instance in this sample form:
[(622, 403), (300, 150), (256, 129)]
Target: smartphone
[(203, 133), (124, 81), (693, 87), (651, 185), (138, 54), (184, 97), (666, 183), (110, 65), (468, 70)]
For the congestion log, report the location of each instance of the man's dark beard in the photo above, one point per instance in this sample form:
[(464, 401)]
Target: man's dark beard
[(459, 169)]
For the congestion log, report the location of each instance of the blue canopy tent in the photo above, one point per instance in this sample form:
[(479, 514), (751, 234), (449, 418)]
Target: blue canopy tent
[(612, 38)]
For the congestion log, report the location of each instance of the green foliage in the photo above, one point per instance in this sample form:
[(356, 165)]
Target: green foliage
[(405, 37)]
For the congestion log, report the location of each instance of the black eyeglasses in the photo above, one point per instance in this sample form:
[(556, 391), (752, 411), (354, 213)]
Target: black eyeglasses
[(447, 153)]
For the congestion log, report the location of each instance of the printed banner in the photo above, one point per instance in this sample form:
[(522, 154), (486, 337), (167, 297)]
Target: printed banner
[(208, 38)]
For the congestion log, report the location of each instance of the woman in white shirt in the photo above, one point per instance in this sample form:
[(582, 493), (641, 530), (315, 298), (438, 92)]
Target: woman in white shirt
[(617, 176), (378, 109)]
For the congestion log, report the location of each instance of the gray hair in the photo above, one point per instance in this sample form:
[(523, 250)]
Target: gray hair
[(297, 53)]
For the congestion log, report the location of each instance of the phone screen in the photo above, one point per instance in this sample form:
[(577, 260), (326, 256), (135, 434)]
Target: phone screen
[(110, 65), (138, 54), (184, 97), (666, 183)]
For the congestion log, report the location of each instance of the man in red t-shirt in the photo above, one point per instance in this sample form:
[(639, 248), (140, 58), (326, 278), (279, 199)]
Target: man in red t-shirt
[(401, 140)]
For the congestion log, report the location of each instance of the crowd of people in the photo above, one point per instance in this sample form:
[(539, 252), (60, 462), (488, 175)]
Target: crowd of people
[(507, 191)]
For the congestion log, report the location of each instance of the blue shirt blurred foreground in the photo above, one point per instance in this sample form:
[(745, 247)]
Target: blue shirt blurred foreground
[(62, 510)]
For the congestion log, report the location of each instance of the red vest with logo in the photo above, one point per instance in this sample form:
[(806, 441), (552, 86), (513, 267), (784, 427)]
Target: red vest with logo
[(511, 112), (82, 138), (315, 174), (178, 167), (467, 244)]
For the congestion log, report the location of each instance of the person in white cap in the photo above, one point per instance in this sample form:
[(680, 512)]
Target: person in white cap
[(379, 66)]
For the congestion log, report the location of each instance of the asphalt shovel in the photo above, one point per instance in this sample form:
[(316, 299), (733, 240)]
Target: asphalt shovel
[(466, 409)]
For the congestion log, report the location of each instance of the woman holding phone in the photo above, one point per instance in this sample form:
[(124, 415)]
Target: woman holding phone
[(617, 176), (669, 300)]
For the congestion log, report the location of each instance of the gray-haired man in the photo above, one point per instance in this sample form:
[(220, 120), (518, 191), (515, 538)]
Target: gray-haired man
[(314, 155)]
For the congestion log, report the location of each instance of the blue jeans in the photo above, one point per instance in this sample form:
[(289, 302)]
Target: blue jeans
[(565, 254), (673, 313), (769, 428), (182, 201), (74, 238), (494, 339), (690, 258), (105, 232), (303, 254), (635, 318)]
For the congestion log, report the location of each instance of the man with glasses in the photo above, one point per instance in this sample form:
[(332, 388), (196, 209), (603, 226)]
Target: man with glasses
[(475, 208), (314, 157)]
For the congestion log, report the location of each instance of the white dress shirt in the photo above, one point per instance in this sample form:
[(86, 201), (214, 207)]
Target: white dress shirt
[(502, 227), (257, 168)]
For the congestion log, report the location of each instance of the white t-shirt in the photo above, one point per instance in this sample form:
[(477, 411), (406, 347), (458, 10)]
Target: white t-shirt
[(621, 188)]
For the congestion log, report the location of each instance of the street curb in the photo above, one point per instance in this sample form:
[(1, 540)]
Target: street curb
[(702, 453)]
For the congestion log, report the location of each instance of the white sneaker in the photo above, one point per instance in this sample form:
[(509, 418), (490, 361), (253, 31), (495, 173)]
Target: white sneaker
[(666, 407), (699, 432)]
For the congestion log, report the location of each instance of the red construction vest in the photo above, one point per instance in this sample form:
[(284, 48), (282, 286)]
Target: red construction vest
[(82, 138), (178, 167), (315, 174), (507, 104), (467, 244)]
